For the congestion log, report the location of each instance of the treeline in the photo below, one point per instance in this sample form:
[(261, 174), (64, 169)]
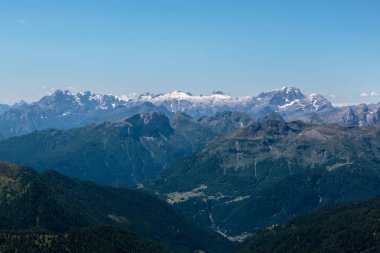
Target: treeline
[(99, 239)]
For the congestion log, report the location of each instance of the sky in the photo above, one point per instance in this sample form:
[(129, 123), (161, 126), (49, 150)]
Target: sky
[(242, 47)]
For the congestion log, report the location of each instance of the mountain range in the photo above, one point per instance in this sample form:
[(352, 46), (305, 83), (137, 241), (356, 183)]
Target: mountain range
[(118, 153), (192, 173), (65, 110), (227, 172), (270, 171)]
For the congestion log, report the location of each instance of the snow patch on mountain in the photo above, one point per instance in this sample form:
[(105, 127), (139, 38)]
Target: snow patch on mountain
[(178, 96)]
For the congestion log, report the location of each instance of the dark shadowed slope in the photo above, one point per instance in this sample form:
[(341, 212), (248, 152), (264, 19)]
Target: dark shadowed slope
[(97, 239), (353, 227), (55, 203)]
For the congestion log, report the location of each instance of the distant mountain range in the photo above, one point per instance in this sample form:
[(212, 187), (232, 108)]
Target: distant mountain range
[(65, 110)]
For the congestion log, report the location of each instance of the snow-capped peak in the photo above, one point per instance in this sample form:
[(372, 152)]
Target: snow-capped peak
[(318, 101), (65, 100), (62, 92), (290, 90), (195, 105), (215, 97), (146, 96)]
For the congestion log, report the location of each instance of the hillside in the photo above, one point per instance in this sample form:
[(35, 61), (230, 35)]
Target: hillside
[(271, 171), (353, 227), (55, 203), (112, 153)]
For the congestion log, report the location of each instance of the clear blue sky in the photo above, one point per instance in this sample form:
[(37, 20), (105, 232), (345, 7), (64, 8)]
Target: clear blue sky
[(241, 47)]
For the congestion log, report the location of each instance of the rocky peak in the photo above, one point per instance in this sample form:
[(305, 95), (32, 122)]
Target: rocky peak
[(151, 124), (59, 96), (180, 118), (318, 101), (281, 96), (289, 94)]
